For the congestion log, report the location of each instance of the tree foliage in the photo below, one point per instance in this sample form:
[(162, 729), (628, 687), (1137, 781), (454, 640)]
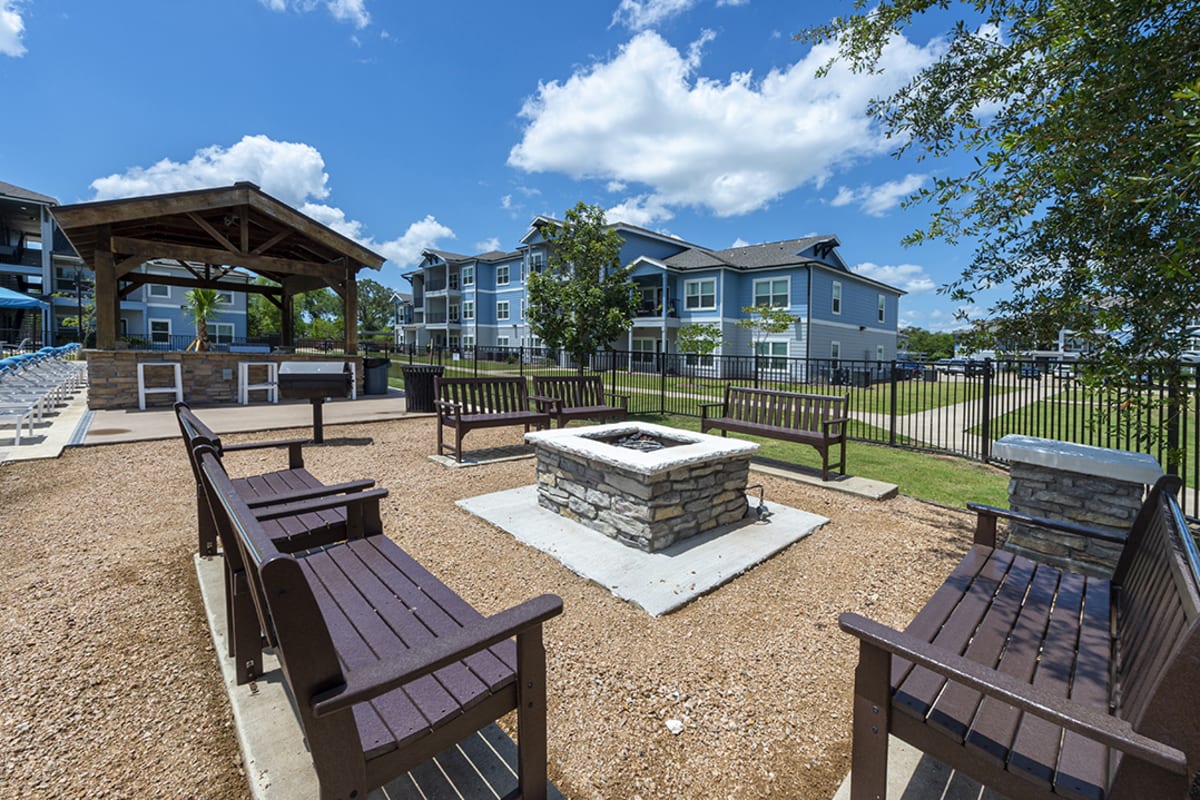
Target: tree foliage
[(927, 344), (764, 320), (201, 307), (584, 299), (701, 338), (375, 309), (1083, 198)]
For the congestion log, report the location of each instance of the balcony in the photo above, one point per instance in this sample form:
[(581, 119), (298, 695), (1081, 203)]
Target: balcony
[(652, 310)]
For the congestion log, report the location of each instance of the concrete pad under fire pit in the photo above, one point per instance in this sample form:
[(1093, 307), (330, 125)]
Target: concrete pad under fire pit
[(657, 582)]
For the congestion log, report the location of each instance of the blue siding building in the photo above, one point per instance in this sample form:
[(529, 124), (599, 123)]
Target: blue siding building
[(460, 300)]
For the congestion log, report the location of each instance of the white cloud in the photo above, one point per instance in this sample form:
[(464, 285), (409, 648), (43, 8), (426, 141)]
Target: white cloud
[(641, 14), (506, 201), (739, 242), (731, 3), (292, 172), (12, 27), (878, 200), (352, 11), (488, 245), (406, 250), (642, 211), (615, 186), (646, 116), (909, 277)]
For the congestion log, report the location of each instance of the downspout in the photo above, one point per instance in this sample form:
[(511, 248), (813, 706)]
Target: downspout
[(808, 319)]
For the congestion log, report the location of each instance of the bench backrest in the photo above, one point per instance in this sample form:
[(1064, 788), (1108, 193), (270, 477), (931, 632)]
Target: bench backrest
[(195, 433), (575, 391), (792, 410), (1157, 595), (484, 395)]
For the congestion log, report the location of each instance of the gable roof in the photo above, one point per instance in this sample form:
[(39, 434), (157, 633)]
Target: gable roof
[(17, 193)]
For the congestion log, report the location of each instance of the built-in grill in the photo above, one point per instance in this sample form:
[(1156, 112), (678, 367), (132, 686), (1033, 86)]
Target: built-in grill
[(315, 381)]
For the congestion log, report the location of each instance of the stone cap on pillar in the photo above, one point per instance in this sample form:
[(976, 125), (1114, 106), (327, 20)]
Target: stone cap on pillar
[(1121, 465)]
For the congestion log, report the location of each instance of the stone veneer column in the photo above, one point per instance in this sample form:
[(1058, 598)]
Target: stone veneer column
[(1094, 486)]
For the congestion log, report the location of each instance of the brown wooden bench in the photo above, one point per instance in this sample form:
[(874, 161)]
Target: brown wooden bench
[(814, 419), (466, 404), (579, 397), (386, 666), (1043, 683)]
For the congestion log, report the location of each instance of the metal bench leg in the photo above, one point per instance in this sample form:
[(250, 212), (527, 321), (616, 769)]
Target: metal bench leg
[(872, 707), (531, 715)]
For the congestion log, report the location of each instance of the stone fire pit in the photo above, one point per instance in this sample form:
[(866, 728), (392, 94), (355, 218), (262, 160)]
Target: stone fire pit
[(647, 486)]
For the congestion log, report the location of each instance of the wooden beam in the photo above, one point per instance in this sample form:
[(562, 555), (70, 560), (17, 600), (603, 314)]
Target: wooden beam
[(114, 211), (151, 249), (270, 207), (143, 278), (245, 232), (269, 243), (107, 301), (127, 265), (211, 231)]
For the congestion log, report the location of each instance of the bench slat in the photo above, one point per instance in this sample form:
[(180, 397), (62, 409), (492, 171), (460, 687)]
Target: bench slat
[(916, 694), (494, 666), (1082, 762), (1035, 748), (996, 722), (955, 708)]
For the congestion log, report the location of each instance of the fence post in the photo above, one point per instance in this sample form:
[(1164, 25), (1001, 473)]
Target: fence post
[(521, 360), (1174, 418), (662, 381), (892, 413), (985, 443)]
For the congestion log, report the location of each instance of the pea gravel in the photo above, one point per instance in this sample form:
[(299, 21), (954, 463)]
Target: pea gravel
[(110, 686)]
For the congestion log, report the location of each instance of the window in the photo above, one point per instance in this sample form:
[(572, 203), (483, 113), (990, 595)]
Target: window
[(502, 276), (452, 312), (774, 353), (454, 278), (771, 292), (835, 349), (837, 298), (468, 309), (522, 308), (700, 295), (453, 341), (225, 297), (468, 276), (160, 331), (158, 290), (468, 340), (501, 309), (537, 261), (501, 341), (881, 308), (643, 352), (221, 332), (879, 352)]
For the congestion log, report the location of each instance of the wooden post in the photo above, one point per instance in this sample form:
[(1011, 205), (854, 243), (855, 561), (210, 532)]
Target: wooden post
[(531, 713), (287, 327), (350, 310), (107, 302), (868, 760)]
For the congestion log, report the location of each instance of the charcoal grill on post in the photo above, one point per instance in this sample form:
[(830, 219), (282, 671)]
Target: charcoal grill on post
[(315, 381)]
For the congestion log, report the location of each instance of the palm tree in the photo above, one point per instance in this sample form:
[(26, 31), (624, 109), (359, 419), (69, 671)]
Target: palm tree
[(201, 304)]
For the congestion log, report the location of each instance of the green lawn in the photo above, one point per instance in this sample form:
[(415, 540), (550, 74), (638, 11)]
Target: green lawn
[(1081, 419), (946, 480)]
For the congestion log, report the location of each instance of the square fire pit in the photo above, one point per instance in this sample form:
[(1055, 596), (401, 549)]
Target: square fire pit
[(646, 485)]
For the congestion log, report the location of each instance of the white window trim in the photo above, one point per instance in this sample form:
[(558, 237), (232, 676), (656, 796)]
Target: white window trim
[(222, 294), (787, 292), (468, 309), (507, 275), (700, 294), (150, 329), (217, 326), (151, 287), (467, 276), (879, 352), (835, 350), (836, 300), (507, 311), (881, 308), (501, 341)]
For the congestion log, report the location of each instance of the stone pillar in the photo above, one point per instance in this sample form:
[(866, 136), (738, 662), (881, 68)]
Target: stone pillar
[(1093, 486)]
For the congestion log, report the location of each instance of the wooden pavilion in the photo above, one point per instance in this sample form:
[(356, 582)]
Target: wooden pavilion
[(210, 232)]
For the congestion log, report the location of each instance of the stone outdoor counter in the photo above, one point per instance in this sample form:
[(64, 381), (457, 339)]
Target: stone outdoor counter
[(1094, 486)]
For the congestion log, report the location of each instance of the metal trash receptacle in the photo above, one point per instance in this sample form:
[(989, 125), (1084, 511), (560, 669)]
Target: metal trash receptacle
[(930, 375), (860, 379), (418, 385), (375, 375)]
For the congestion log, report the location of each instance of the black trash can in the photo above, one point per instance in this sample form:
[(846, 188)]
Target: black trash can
[(418, 386), (861, 379), (930, 375), (375, 375)]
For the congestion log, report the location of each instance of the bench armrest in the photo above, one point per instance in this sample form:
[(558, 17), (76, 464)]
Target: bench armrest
[(554, 404), (308, 494), (622, 399), (1103, 728), (704, 407), (986, 516), (319, 504), (386, 674), (448, 408), (826, 424), (295, 456)]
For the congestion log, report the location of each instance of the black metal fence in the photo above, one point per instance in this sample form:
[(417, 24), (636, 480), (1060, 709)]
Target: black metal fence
[(959, 408)]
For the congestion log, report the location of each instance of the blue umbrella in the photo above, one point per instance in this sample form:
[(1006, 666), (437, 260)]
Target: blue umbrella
[(11, 299)]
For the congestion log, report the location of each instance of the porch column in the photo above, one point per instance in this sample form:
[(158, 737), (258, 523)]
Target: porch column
[(107, 301), (350, 310)]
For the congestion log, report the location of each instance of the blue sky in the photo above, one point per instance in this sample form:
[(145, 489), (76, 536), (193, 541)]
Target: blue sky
[(451, 125)]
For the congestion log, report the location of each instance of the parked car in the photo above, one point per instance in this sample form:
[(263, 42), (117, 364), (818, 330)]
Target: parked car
[(951, 366), (977, 369), (906, 370), (1030, 371), (1062, 370)]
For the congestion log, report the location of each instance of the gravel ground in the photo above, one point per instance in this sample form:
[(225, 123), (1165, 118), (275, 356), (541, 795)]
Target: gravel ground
[(111, 688)]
